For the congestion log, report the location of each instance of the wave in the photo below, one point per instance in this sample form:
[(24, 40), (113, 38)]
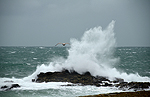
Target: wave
[(93, 53)]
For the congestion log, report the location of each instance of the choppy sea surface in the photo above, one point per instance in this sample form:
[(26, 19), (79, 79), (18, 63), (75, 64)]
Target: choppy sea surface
[(16, 63), (96, 52)]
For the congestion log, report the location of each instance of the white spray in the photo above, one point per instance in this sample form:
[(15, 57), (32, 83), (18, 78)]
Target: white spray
[(93, 53)]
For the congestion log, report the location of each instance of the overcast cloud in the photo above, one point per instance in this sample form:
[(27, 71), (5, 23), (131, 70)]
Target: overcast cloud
[(47, 22)]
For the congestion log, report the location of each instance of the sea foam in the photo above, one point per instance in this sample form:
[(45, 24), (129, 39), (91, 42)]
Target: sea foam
[(93, 53)]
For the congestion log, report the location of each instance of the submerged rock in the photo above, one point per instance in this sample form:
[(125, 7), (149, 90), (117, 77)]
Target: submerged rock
[(9, 88), (4, 87), (14, 86)]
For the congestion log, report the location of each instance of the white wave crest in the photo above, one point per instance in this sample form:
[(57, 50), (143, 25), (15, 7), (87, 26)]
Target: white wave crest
[(93, 53)]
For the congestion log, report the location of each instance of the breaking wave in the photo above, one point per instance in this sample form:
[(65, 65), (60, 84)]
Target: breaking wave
[(93, 53)]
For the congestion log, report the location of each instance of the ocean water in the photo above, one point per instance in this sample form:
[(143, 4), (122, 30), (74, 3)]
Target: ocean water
[(95, 52)]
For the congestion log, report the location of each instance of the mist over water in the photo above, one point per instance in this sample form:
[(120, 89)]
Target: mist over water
[(93, 53)]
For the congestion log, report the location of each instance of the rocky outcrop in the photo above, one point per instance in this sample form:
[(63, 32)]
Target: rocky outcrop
[(133, 85), (83, 79), (87, 79), (9, 88), (74, 77)]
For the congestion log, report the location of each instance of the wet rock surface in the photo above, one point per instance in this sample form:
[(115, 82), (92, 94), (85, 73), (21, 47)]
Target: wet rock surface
[(87, 79), (133, 85), (73, 77), (10, 87)]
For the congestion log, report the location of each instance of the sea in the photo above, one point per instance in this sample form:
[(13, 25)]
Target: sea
[(96, 52)]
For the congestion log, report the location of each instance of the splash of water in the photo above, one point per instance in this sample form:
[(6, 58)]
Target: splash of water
[(93, 53)]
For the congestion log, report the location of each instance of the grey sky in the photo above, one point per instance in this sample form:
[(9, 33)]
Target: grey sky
[(47, 22)]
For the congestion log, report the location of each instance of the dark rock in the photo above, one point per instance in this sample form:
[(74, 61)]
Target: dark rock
[(71, 76), (65, 71), (134, 85), (73, 72), (87, 73), (3, 87), (118, 80), (97, 85), (87, 79), (122, 85), (139, 85), (14, 86), (107, 84), (9, 88), (33, 80), (102, 78)]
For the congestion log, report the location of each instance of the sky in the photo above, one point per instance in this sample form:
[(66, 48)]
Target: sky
[(47, 22)]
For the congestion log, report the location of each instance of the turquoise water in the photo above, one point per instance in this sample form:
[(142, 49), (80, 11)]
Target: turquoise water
[(94, 52), (20, 62), (134, 60)]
